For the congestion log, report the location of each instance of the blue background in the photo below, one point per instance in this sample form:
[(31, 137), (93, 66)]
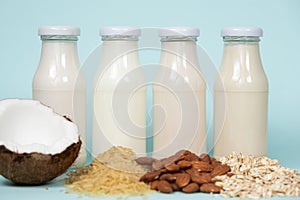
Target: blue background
[(280, 46)]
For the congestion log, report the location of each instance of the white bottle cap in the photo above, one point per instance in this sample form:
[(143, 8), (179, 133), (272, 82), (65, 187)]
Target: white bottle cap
[(59, 30), (179, 31), (242, 31), (120, 30)]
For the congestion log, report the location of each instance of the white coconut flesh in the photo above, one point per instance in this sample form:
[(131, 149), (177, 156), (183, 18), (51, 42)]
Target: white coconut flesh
[(27, 126)]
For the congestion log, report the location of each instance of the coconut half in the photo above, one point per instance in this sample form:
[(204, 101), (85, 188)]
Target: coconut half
[(36, 144)]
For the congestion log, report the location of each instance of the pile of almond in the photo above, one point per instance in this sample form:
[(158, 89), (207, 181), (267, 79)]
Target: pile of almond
[(184, 171)]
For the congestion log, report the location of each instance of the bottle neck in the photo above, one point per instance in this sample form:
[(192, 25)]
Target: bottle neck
[(114, 49), (241, 52), (59, 67), (59, 51), (179, 64), (182, 50), (119, 59), (241, 68), (118, 45)]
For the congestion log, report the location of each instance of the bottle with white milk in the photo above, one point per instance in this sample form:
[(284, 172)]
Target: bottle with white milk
[(58, 82), (241, 95), (179, 91), (119, 101)]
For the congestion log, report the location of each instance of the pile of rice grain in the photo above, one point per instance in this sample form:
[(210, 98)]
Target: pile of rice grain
[(112, 173)]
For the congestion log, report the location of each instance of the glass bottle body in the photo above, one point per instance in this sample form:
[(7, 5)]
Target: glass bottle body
[(119, 106), (59, 83), (179, 99), (241, 100)]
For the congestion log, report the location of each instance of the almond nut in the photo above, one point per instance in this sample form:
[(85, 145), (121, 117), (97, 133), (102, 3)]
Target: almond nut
[(220, 170), (192, 172), (156, 165), (202, 166), (164, 186), (204, 157), (190, 188), (191, 157), (175, 187), (163, 170), (214, 162), (183, 152), (182, 179), (210, 187), (175, 158), (172, 167), (145, 160), (153, 185), (201, 178), (183, 164), (150, 176), (168, 177)]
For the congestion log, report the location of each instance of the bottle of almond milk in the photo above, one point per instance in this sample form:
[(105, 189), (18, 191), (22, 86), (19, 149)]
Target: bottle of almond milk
[(120, 93), (241, 95), (179, 94), (58, 82)]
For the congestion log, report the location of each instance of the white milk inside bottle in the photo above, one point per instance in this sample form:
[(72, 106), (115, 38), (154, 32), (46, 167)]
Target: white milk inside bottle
[(120, 93), (241, 95), (58, 82), (179, 92)]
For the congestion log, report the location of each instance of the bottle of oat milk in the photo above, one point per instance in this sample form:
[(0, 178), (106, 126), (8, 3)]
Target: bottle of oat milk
[(241, 95), (58, 82), (179, 92), (119, 101)]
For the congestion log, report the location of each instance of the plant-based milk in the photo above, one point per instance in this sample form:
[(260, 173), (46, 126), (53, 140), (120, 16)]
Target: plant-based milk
[(241, 95), (179, 95), (120, 93), (58, 82)]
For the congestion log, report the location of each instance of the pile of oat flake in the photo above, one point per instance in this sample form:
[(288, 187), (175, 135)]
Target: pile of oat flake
[(255, 177)]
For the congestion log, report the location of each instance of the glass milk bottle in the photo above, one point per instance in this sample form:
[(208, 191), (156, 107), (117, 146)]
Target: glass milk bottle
[(120, 93), (241, 95), (58, 82), (179, 93)]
